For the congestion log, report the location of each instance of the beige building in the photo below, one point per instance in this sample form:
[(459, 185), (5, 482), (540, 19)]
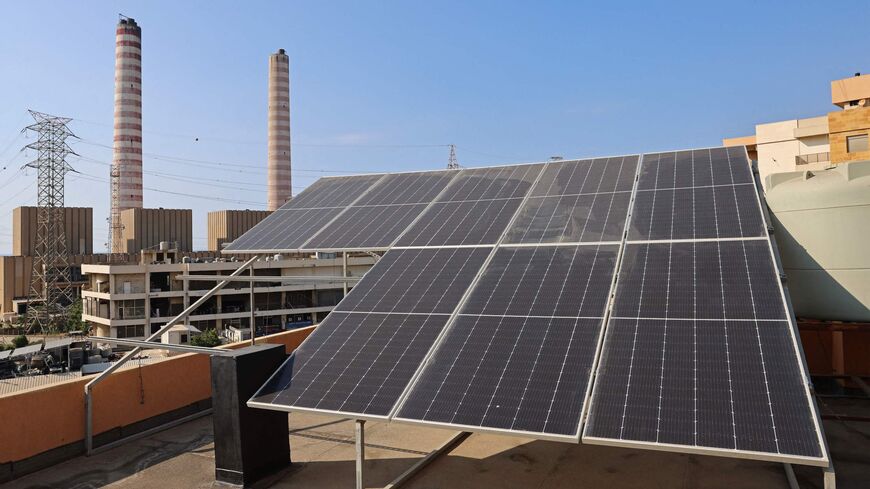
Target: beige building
[(146, 228), (819, 142), (226, 226), (134, 300), (79, 230)]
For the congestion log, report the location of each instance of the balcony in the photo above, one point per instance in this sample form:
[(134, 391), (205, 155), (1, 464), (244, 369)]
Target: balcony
[(812, 158)]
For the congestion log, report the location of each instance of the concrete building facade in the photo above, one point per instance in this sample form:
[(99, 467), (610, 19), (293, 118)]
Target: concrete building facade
[(279, 178), (146, 228), (134, 300), (225, 226), (815, 143), (79, 230)]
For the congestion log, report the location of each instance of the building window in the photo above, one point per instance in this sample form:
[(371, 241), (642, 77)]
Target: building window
[(858, 143), (133, 331)]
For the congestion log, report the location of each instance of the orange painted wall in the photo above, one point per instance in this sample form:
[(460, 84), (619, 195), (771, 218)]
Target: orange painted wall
[(36, 420)]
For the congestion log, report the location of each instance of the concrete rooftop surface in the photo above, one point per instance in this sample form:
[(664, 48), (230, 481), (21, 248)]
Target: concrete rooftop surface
[(323, 457)]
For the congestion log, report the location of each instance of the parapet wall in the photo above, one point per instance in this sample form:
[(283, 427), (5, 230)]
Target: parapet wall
[(44, 425)]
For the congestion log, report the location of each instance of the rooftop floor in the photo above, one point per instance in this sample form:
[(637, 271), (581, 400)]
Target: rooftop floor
[(323, 453)]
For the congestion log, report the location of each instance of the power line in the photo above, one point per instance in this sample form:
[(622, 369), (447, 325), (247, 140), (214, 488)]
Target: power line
[(95, 178), (263, 142), (198, 162)]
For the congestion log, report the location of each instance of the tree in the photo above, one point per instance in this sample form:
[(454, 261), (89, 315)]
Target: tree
[(74, 317), (208, 338), (20, 341)]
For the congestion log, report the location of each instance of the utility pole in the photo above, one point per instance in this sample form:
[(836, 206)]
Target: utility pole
[(51, 291), (452, 164)]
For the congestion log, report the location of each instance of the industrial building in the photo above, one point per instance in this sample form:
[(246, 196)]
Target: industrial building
[(146, 228), (79, 230), (134, 300), (227, 225)]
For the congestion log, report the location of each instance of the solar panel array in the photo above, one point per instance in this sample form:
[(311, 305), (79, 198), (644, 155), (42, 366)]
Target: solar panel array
[(699, 352), (488, 312)]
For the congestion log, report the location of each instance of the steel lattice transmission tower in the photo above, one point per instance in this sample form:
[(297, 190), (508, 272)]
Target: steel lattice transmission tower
[(51, 290), (452, 163)]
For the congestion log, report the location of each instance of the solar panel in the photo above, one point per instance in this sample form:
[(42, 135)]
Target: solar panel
[(520, 353), (416, 280), (333, 192), (695, 168), (699, 353), (384, 213), (475, 209), (352, 363), (366, 227), (363, 355), (289, 227), (408, 188), (577, 201), (284, 229), (695, 213)]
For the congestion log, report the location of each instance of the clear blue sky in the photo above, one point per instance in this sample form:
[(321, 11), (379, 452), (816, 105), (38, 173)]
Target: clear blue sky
[(504, 81)]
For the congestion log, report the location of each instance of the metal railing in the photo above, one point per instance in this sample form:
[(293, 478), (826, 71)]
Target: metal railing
[(812, 158), (89, 421)]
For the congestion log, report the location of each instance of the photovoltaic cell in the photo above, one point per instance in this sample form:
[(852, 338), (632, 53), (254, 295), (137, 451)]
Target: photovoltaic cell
[(694, 213), (408, 188), (732, 385), (703, 280), (332, 192), (461, 223), (519, 355), (587, 176), (361, 358), (353, 363), (695, 168), (571, 218), (508, 373), (569, 281), (576, 201), (284, 229), (504, 182), (416, 280), (366, 227)]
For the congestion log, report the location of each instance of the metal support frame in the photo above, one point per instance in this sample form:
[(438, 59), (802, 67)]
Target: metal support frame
[(830, 477), (789, 474), (253, 320), (159, 346), (89, 421), (344, 269), (445, 447), (361, 452), (273, 279)]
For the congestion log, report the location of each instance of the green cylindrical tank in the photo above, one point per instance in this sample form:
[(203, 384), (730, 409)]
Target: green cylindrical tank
[(822, 228)]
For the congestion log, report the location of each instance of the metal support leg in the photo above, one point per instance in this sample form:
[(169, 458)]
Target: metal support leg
[(344, 269), (361, 452), (830, 477), (253, 320), (789, 474)]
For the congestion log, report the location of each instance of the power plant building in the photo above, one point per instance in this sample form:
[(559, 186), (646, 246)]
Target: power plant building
[(78, 224), (227, 225), (147, 228)]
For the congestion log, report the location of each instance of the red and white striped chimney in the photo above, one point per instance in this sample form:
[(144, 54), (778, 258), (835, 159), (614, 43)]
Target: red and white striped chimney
[(127, 157), (279, 180)]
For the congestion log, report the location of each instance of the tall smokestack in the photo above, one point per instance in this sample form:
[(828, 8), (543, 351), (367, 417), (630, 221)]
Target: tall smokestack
[(127, 157), (279, 184)]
